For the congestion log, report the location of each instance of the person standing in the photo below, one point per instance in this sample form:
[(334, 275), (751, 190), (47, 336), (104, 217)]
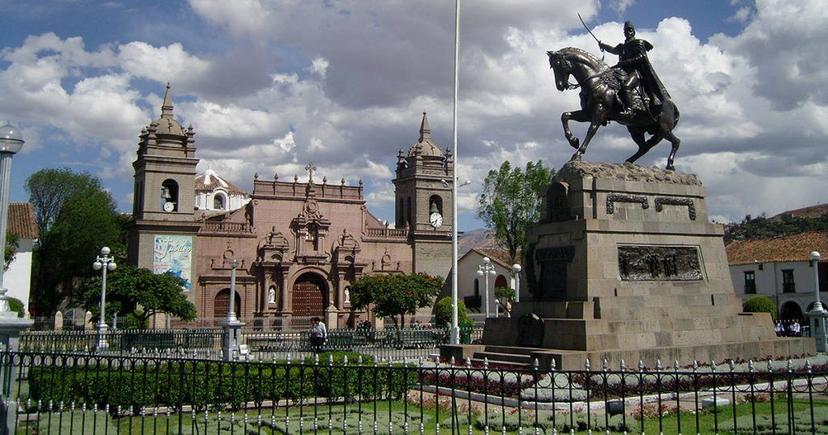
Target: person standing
[(795, 328), (318, 334)]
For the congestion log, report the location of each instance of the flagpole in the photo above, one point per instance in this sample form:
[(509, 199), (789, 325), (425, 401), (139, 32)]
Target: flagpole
[(455, 329)]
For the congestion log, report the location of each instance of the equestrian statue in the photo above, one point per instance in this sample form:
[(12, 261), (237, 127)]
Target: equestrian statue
[(629, 93)]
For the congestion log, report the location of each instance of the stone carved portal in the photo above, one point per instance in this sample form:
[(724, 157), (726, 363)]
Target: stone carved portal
[(309, 295), (222, 303)]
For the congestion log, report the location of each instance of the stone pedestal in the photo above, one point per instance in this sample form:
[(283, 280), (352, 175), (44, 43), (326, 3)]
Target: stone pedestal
[(231, 339), (624, 264), (817, 317), (331, 317)]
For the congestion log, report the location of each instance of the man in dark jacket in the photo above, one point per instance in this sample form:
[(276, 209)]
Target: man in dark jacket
[(632, 59)]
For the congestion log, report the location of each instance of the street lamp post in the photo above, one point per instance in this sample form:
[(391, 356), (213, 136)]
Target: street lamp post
[(818, 314), (232, 325), (11, 141), (516, 268), (104, 263), (486, 269)]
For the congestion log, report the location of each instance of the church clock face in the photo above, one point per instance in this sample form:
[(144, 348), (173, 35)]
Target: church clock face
[(169, 206), (436, 220)]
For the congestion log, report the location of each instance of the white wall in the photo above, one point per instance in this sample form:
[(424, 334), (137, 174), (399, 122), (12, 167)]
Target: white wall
[(467, 267), (18, 279), (769, 282)]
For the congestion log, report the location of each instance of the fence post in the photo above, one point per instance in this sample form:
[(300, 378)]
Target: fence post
[(87, 321), (58, 321), (10, 328)]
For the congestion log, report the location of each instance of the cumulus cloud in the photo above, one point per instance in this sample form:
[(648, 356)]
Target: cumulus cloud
[(342, 83)]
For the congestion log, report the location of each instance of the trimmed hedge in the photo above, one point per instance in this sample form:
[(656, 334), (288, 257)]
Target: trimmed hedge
[(215, 385), (760, 304)]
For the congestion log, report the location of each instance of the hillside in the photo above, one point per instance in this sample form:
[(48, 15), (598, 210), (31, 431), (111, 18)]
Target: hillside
[(814, 218)]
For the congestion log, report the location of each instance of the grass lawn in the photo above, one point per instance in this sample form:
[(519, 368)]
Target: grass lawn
[(333, 419)]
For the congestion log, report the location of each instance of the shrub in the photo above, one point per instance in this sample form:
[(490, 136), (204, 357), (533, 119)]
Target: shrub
[(760, 304), (505, 293), (134, 384), (442, 313), (16, 305)]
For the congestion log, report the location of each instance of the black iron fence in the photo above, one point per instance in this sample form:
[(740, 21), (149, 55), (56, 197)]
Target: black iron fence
[(207, 343), (352, 393)]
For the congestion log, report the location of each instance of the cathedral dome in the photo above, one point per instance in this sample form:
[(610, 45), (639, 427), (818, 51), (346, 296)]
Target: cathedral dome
[(424, 146)]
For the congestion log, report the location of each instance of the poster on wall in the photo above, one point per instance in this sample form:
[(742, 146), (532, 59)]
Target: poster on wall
[(174, 254)]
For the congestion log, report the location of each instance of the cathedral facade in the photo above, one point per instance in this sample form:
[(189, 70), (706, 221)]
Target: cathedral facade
[(297, 246)]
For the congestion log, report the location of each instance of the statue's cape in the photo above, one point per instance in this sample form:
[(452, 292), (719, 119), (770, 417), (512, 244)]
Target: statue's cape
[(645, 68)]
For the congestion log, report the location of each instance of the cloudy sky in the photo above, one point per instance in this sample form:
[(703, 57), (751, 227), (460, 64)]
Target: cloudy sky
[(269, 85)]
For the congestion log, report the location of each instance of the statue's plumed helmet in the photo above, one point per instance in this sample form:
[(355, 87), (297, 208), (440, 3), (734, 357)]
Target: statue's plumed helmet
[(629, 25)]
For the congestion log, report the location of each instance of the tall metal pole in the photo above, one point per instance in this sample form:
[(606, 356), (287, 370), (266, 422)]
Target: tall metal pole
[(5, 181), (455, 328)]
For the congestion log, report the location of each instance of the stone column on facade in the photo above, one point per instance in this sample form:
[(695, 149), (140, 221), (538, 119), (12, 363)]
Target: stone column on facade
[(284, 301), (340, 290), (331, 317)]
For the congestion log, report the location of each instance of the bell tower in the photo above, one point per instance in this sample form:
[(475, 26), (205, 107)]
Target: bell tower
[(423, 201), (163, 195)]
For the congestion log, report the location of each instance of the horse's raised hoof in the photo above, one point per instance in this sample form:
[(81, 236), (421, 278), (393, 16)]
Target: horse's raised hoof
[(575, 143)]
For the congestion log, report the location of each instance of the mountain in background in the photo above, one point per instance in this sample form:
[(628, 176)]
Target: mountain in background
[(480, 238), (813, 218)]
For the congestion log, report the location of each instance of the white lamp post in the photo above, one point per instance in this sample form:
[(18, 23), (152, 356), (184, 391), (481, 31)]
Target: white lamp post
[(232, 325), (103, 263), (516, 268), (486, 269), (818, 314), (11, 141)]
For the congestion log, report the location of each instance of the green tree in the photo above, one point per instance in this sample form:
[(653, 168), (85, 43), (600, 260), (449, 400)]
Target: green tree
[(760, 304), (395, 295), (85, 221), (11, 249), (50, 189), (139, 293), (442, 313), (511, 201)]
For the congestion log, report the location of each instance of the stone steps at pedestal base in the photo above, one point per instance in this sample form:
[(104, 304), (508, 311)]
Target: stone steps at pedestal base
[(778, 348), (503, 358)]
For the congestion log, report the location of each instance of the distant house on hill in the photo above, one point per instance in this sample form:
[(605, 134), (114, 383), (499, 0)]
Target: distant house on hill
[(18, 278), (779, 268), (471, 288)]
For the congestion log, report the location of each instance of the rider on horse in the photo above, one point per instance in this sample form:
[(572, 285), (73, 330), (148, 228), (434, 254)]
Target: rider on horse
[(634, 68)]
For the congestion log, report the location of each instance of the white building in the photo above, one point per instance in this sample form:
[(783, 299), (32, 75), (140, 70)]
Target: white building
[(779, 268), (214, 193), (18, 278), (471, 288)]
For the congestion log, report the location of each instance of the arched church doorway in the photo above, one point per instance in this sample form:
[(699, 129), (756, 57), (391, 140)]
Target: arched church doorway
[(792, 311), (222, 303), (500, 281), (308, 295)]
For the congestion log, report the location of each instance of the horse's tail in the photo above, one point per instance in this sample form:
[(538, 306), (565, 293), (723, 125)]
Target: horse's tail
[(678, 114)]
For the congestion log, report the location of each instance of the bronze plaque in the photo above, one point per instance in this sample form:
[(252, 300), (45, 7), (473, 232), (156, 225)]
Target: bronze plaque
[(659, 263)]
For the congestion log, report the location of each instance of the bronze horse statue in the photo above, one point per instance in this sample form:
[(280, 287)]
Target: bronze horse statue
[(600, 103)]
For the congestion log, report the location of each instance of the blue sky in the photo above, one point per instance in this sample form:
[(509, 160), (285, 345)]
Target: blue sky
[(271, 84)]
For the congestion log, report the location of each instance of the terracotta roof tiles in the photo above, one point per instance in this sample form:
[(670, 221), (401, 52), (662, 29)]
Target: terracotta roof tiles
[(22, 222), (796, 247)]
